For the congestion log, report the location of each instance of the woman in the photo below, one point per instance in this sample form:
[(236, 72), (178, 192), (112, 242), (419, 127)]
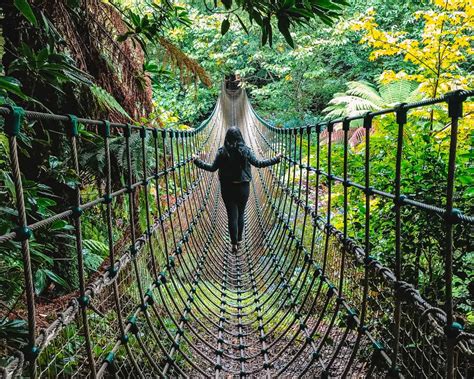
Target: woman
[(233, 161)]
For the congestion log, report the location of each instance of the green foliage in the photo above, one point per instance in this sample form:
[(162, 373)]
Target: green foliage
[(148, 21), (93, 156), (225, 26), (10, 85), (15, 332), (24, 7), (94, 253), (288, 14), (361, 97), (41, 277), (39, 205), (48, 67), (290, 86), (107, 101), (424, 172)]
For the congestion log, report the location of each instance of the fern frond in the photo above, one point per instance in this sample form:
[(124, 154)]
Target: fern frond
[(400, 91), (185, 64), (362, 97), (366, 91), (96, 247), (352, 105), (107, 101)]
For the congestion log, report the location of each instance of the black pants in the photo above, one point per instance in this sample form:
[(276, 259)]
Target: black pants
[(235, 196)]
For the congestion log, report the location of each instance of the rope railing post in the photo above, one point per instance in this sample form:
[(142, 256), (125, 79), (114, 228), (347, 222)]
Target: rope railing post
[(401, 119), (107, 200), (341, 299), (107, 197), (330, 129), (455, 108), (130, 190), (73, 133), (145, 179), (167, 185), (13, 122), (158, 175), (367, 124)]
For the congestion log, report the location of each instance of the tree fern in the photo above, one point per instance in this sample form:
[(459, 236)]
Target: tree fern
[(93, 155), (367, 91), (362, 97)]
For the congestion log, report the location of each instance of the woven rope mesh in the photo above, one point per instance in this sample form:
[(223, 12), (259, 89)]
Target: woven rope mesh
[(299, 299)]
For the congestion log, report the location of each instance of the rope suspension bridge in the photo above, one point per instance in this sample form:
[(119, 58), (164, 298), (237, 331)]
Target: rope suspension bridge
[(301, 298)]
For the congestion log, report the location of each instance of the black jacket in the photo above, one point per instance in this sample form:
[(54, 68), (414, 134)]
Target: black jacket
[(232, 171)]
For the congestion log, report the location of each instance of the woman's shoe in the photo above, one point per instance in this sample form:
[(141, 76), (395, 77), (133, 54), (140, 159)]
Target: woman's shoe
[(235, 248)]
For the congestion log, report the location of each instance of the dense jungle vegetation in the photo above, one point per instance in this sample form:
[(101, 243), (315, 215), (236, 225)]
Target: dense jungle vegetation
[(162, 62)]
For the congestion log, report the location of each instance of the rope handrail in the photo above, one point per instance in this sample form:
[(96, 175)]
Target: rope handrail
[(456, 97)]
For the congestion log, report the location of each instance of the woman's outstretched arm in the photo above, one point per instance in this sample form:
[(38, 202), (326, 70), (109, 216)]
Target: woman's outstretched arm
[(206, 166), (263, 162)]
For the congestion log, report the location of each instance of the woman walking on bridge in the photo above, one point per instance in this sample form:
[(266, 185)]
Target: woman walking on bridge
[(233, 161)]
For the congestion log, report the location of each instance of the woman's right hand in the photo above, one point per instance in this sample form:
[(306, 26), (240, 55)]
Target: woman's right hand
[(278, 156)]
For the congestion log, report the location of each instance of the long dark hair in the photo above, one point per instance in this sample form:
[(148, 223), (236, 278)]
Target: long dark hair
[(234, 145)]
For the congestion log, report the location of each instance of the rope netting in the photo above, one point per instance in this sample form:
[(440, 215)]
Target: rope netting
[(301, 298)]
